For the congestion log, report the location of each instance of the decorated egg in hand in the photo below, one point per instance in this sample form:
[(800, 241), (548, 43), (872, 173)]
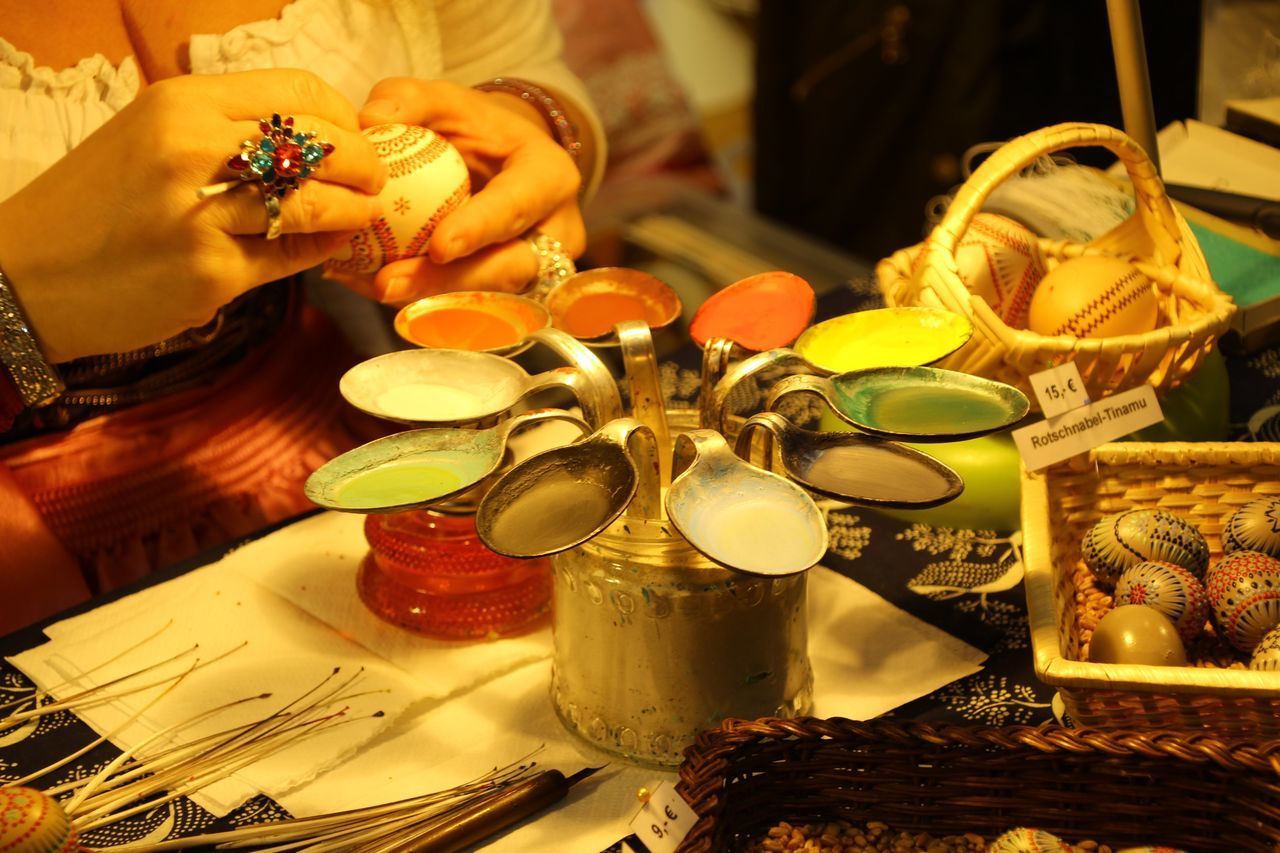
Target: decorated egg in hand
[(1244, 594), (1170, 589), (1134, 536), (32, 820), (427, 180), (1027, 840), (1093, 297), (1253, 527), (1266, 655), (1134, 633)]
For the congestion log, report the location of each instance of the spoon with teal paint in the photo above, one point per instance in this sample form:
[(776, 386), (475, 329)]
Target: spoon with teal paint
[(420, 467), (918, 404)]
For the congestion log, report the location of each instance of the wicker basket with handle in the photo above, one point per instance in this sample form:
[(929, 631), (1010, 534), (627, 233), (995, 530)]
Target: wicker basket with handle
[(1192, 790), (1200, 482), (1155, 238)]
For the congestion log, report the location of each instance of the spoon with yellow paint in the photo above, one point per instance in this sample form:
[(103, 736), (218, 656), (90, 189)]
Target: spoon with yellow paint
[(739, 515), (560, 498), (420, 467), (847, 466), (919, 404)]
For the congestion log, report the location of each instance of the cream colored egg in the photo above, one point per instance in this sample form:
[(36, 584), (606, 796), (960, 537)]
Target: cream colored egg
[(1093, 297), (1000, 261), (428, 180), (1135, 633)]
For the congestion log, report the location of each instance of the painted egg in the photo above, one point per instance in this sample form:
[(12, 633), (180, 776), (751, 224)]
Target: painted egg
[(31, 821), (1266, 655), (999, 260), (1170, 589), (1093, 297), (428, 180), (1244, 594), (1127, 538), (1027, 840), (1135, 633), (1253, 527)]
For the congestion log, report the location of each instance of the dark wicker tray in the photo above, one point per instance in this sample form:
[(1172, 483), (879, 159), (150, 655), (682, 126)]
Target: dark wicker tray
[(1186, 789)]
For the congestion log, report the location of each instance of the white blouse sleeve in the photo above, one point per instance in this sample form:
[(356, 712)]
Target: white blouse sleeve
[(483, 39)]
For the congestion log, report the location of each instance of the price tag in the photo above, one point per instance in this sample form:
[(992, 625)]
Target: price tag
[(1059, 389), (664, 820), (1080, 430)]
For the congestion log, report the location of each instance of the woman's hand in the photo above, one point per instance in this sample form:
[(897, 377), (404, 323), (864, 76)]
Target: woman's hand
[(110, 249), (525, 179)]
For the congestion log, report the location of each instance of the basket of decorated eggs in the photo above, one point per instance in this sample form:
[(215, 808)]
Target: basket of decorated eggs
[(1153, 585), (828, 785), (1134, 305)]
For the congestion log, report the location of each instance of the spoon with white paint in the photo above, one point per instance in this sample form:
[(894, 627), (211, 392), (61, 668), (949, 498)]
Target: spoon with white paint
[(742, 517)]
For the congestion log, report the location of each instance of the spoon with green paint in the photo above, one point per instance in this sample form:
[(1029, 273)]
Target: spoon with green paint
[(420, 467)]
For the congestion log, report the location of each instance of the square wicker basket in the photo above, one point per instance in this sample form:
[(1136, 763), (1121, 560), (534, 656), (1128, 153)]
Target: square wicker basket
[(1201, 482), (1195, 791)]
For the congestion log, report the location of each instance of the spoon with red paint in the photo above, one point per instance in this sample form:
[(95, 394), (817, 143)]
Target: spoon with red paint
[(761, 312)]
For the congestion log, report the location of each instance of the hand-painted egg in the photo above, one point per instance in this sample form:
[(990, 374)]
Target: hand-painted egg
[(1135, 633), (999, 260), (1093, 297), (428, 180), (1027, 840), (1244, 594), (1253, 527), (1127, 538), (1171, 589), (32, 822), (1266, 655)]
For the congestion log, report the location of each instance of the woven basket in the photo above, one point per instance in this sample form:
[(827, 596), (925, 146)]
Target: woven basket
[(1203, 483), (1155, 238), (1194, 791)]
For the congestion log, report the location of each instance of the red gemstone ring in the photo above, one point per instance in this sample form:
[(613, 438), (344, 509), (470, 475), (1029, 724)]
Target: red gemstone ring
[(282, 158)]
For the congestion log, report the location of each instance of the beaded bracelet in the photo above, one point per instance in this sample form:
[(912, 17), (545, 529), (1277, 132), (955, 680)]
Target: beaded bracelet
[(36, 380), (558, 121)]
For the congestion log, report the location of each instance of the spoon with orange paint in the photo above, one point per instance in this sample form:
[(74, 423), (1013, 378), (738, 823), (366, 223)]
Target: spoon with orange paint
[(761, 312), (589, 304)]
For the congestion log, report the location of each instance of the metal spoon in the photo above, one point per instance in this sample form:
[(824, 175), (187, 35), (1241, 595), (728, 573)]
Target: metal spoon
[(605, 404), (647, 406), (760, 312), (560, 498), (590, 303), (846, 466), (419, 467), (920, 404), (741, 516), (473, 320)]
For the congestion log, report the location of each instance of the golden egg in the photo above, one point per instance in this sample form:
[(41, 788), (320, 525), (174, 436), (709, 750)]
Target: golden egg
[(1135, 633)]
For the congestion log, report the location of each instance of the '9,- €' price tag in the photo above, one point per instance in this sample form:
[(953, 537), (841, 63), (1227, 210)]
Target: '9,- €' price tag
[(664, 820), (1059, 389)]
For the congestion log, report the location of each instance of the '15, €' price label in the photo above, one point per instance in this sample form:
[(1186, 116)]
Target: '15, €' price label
[(1059, 389), (664, 820)]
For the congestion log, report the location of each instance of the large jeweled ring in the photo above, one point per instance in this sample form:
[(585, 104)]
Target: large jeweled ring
[(554, 264), (282, 158), (272, 202)]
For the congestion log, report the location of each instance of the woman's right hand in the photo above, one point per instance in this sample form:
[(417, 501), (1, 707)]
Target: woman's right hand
[(110, 249)]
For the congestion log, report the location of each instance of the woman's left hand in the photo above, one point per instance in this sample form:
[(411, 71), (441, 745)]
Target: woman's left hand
[(526, 181)]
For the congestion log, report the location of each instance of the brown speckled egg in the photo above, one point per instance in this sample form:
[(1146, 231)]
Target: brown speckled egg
[(1027, 840), (1135, 536), (1253, 527), (1244, 594), (1171, 589), (32, 822), (1135, 633), (1266, 655)]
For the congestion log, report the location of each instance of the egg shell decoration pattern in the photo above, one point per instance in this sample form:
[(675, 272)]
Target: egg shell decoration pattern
[(1170, 589), (1093, 297), (32, 822), (1244, 592), (428, 179), (999, 260), (1135, 633), (1127, 538), (1266, 655), (1253, 527), (1027, 840)]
